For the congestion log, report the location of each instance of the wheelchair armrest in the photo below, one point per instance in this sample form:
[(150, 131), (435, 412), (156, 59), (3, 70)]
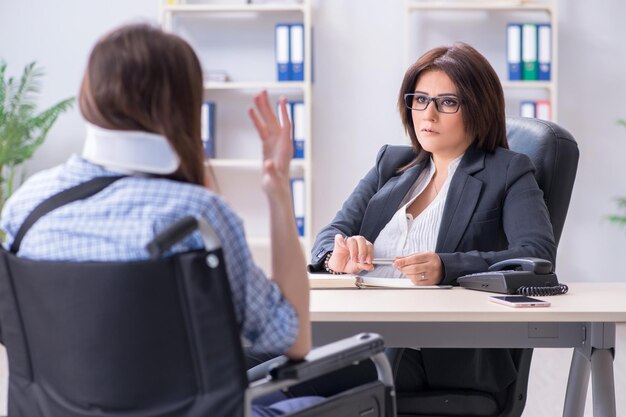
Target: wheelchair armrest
[(330, 357), (262, 370), (321, 361)]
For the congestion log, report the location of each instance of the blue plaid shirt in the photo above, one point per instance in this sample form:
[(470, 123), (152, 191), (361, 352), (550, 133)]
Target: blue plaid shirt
[(118, 222)]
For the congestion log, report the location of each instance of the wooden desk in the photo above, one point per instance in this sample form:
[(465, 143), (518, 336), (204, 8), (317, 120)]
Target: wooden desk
[(584, 319)]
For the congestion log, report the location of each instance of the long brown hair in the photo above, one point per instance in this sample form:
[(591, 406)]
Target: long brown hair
[(141, 78), (478, 87)]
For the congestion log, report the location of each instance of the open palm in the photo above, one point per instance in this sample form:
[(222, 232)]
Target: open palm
[(275, 138)]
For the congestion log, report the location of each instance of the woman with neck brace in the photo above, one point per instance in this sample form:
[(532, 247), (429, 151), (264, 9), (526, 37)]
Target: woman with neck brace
[(141, 98)]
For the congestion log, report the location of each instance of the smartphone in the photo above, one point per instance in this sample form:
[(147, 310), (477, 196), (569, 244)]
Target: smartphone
[(518, 301)]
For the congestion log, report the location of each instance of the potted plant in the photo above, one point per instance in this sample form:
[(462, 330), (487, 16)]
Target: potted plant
[(620, 219), (22, 128)]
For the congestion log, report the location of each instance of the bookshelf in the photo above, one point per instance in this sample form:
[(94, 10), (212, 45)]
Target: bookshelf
[(485, 23), (237, 38)]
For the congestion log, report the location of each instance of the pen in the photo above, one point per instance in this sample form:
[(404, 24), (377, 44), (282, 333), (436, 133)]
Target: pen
[(383, 261)]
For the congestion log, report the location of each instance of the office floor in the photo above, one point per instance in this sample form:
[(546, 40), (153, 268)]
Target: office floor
[(546, 390)]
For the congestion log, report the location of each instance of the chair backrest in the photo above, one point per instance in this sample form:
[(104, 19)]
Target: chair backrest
[(117, 339), (554, 153)]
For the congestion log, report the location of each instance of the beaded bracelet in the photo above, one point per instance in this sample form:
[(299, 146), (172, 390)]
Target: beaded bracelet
[(327, 268)]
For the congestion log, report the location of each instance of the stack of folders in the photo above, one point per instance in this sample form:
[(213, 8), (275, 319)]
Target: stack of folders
[(298, 195), (540, 109), (290, 51), (207, 129), (298, 124), (529, 51)]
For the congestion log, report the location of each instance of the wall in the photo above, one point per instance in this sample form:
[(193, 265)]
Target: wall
[(358, 67)]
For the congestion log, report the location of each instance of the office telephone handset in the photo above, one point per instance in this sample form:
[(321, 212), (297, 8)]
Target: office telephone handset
[(525, 276)]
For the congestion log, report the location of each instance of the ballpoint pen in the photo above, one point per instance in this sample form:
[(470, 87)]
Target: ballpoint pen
[(383, 261)]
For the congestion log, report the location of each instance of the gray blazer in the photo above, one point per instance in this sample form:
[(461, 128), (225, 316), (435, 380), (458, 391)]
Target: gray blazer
[(494, 210)]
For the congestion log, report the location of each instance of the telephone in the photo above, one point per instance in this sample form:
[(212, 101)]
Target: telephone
[(525, 276)]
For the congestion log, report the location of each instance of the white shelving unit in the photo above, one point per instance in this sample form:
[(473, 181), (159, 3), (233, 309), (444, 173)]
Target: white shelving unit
[(296, 165), (254, 85), (544, 10), (245, 48)]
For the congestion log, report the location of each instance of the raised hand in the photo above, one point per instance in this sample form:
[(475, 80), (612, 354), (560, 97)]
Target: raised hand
[(288, 263), (276, 141)]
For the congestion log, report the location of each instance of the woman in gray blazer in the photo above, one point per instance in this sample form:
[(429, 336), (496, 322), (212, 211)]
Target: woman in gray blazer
[(453, 203)]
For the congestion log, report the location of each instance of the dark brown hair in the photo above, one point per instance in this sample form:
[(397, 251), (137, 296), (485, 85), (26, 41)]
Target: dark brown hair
[(478, 88), (141, 78)]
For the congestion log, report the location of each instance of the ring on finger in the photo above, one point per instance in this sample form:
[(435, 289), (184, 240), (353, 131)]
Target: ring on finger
[(422, 276)]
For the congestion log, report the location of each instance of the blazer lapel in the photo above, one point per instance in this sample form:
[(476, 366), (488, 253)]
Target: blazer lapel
[(385, 202), (461, 200)]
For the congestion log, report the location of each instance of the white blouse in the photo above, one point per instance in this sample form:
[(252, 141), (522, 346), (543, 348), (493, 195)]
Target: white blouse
[(404, 235)]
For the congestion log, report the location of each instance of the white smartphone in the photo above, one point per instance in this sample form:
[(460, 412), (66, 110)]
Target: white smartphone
[(518, 301)]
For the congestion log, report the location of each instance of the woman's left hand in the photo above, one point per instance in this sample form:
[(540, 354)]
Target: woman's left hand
[(424, 268)]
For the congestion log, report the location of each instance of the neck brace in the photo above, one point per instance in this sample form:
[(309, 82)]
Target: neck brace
[(130, 151)]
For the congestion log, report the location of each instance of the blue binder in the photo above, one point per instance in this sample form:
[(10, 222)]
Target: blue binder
[(297, 192), (299, 123), (207, 128), (296, 54), (544, 51), (514, 50), (282, 52)]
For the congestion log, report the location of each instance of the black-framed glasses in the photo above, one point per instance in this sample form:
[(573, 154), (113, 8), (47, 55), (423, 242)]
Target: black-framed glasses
[(443, 104)]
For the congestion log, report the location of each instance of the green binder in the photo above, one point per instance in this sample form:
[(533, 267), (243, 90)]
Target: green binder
[(529, 51)]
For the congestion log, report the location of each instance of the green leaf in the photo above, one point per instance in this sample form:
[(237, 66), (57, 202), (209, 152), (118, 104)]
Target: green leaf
[(621, 201), (38, 128), (620, 220), (23, 100), (3, 90), (22, 129)]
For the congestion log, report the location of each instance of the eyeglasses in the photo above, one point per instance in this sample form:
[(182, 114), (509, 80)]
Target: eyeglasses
[(445, 104)]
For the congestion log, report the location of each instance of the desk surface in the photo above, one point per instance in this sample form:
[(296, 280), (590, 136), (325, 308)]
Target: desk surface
[(590, 302), (584, 319)]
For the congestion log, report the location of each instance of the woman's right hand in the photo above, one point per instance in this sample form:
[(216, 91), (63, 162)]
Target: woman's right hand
[(276, 142), (351, 255)]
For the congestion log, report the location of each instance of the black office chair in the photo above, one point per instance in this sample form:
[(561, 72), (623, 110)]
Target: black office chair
[(151, 338), (554, 153)]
